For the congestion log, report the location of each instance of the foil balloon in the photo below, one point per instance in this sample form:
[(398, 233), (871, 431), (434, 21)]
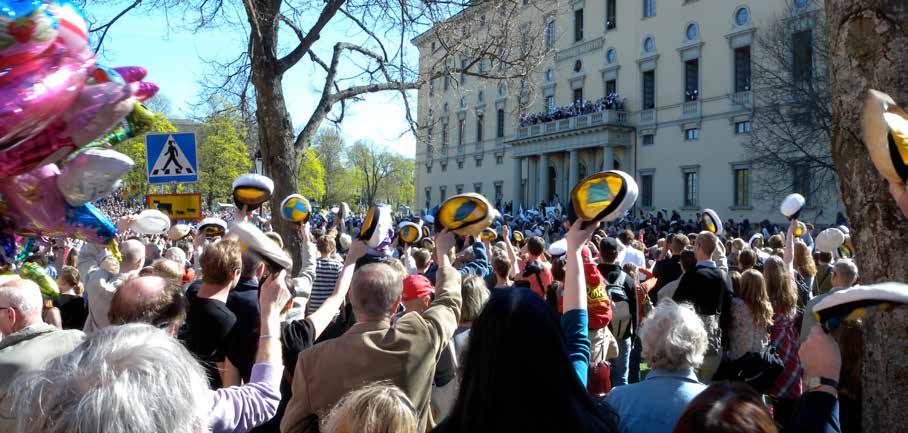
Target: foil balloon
[(92, 174), (27, 29), (72, 28), (35, 273), (33, 96)]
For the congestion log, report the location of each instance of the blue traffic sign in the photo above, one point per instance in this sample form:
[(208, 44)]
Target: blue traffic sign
[(171, 158)]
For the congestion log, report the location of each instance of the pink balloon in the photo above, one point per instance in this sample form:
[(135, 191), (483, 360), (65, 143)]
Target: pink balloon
[(32, 99), (45, 147), (98, 108), (25, 34), (37, 208)]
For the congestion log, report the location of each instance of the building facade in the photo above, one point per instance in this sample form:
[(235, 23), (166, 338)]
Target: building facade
[(681, 71)]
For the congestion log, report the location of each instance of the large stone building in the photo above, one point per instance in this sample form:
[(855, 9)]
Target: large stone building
[(683, 71)]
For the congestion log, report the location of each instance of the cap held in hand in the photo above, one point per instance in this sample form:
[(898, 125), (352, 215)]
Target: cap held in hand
[(885, 127), (410, 232), (251, 190), (712, 222), (465, 214), (792, 205), (254, 239), (295, 208), (377, 226), (605, 195), (213, 227)]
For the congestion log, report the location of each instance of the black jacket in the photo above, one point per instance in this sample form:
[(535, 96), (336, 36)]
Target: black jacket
[(706, 289), (610, 273), (665, 271)]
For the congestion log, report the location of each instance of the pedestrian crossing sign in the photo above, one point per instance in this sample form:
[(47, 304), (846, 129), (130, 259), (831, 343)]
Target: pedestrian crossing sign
[(171, 157)]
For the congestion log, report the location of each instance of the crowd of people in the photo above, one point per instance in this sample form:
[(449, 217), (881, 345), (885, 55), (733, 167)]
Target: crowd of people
[(612, 101), (552, 331)]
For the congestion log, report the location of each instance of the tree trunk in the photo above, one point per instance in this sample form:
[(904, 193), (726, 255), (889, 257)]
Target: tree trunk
[(868, 49)]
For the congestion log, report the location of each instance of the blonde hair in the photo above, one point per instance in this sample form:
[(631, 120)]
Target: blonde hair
[(780, 286), (376, 408), (753, 293), (803, 261)]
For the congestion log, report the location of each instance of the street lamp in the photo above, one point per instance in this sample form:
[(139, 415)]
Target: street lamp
[(257, 162)]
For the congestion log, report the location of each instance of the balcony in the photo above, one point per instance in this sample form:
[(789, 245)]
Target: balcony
[(607, 117), (647, 117), (690, 109), (743, 99)]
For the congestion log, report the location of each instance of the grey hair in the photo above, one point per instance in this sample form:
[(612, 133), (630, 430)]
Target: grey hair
[(847, 270), (475, 294), (673, 337), (22, 294), (130, 378), (176, 254), (375, 288)]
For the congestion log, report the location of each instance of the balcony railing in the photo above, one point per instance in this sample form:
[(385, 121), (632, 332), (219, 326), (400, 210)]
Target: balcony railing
[(607, 117), (647, 117), (690, 109), (744, 99)]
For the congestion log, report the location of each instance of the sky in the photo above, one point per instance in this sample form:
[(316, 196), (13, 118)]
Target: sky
[(174, 57)]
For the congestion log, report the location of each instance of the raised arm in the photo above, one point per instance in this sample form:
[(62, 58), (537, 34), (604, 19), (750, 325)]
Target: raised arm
[(575, 320), (511, 251), (789, 244)]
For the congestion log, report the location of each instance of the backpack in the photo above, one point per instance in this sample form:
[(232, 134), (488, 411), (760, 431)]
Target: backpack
[(621, 309)]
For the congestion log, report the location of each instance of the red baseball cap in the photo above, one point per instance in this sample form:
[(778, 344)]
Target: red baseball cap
[(417, 286)]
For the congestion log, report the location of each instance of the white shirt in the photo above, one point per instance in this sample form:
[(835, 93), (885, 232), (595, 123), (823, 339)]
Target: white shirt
[(632, 255)]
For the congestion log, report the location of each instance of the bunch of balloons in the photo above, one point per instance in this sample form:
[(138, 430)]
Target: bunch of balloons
[(59, 114)]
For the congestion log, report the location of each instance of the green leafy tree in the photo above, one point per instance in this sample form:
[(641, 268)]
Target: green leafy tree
[(311, 176), (398, 189), (222, 155), (136, 182), (373, 166), (328, 145)]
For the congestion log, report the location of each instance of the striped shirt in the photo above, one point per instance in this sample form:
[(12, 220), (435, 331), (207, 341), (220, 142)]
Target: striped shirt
[(326, 274)]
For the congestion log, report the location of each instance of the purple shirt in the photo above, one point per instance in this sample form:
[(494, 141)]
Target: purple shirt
[(239, 409)]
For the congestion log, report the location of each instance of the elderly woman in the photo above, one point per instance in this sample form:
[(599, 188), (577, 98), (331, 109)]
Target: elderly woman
[(674, 342)]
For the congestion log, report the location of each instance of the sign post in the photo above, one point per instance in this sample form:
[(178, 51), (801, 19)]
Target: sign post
[(171, 158)]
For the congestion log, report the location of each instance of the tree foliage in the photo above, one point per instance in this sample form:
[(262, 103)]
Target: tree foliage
[(223, 155), (312, 179), (328, 146)]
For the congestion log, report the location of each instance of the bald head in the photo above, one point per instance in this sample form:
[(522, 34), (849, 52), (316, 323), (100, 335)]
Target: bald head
[(133, 253), (375, 289), (153, 300), (21, 302)]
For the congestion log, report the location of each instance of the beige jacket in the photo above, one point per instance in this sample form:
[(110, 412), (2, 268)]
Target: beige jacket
[(405, 355)]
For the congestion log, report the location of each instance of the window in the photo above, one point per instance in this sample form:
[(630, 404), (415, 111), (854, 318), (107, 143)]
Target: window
[(447, 82), (444, 136), (444, 168), (460, 125), (802, 55), (691, 32), (477, 188), (611, 56), (691, 188), (481, 97), (742, 16), (649, 8), (479, 126), (801, 179), (502, 90), (743, 127), (428, 168), (578, 25), (460, 165), (692, 134), (611, 86), (649, 139), (649, 90), (443, 193), (499, 159), (479, 162), (499, 130), (549, 103), (649, 45), (458, 189), (550, 32), (463, 71), (549, 75), (463, 102), (498, 193), (578, 94), (742, 69), (742, 187), (647, 190), (691, 80), (611, 9)]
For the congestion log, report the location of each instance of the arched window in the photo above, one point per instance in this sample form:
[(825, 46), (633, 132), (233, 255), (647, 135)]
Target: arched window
[(742, 16), (649, 44)]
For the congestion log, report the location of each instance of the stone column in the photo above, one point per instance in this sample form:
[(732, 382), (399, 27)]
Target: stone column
[(543, 178), (573, 170), (518, 184), (608, 158)]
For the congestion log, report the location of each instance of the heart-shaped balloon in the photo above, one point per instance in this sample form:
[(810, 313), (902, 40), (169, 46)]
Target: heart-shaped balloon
[(92, 174)]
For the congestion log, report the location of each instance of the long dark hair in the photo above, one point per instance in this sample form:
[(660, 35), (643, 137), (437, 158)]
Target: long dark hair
[(517, 376)]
